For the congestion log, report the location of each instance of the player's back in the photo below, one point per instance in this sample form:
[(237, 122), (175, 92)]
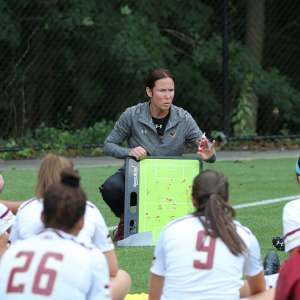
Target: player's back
[(195, 266), (28, 223), (53, 265), (28, 220)]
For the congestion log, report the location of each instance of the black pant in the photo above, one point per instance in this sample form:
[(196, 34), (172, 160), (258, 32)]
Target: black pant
[(113, 192)]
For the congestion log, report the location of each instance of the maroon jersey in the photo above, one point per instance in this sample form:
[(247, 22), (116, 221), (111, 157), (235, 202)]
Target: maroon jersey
[(288, 284)]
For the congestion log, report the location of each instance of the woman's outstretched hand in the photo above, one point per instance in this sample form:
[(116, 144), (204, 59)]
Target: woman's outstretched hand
[(206, 148)]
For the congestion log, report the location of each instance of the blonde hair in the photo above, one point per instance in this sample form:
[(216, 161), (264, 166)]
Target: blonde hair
[(50, 171)]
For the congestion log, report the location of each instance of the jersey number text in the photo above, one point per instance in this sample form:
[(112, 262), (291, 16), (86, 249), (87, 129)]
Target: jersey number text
[(205, 244), (41, 271)]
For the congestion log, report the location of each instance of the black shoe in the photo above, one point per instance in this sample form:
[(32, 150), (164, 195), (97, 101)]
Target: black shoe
[(271, 263), (278, 243)]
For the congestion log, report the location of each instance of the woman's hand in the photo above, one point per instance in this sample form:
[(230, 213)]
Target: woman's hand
[(206, 148), (138, 152)]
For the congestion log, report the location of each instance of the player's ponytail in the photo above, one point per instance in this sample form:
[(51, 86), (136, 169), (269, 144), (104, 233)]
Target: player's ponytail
[(210, 194)]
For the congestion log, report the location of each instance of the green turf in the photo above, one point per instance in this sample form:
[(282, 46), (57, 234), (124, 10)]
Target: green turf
[(249, 181)]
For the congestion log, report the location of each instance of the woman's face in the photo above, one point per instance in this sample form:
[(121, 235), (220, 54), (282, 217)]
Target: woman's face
[(162, 94)]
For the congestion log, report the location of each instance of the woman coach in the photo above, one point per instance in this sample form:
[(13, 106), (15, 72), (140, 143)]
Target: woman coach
[(153, 128)]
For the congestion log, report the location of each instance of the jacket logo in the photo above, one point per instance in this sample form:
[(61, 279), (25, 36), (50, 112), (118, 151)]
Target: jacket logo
[(173, 133)]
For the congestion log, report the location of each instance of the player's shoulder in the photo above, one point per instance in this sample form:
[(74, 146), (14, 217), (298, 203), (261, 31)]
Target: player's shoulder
[(242, 228), (91, 206), (247, 235), (88, 250), (292, 205), (55, 239), (63, 238), (182, 221), (30, 203), (137, 108), (92, 211), (22, 244), (180, 112)]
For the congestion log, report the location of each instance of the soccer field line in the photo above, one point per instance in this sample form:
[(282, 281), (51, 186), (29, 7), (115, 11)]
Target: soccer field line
[(252, 204), (266, 202)]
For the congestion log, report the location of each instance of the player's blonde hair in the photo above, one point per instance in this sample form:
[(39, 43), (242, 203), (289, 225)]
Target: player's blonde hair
[(49, 172), (210, 195)]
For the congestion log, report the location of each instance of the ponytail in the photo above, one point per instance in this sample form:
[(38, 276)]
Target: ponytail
[(216, 215)]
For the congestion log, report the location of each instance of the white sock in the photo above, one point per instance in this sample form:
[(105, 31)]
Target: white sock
[(271, 280)]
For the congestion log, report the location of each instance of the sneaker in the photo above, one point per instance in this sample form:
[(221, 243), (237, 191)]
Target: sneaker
[(278, 243), (119, 232), (271, 263)]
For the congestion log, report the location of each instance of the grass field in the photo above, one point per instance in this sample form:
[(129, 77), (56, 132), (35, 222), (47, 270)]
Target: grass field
[(250, 181)]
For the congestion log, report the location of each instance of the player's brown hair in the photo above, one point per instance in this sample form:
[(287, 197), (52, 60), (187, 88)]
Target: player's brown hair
[(64, 202), (155, 75), (210, 195), (49, 172)]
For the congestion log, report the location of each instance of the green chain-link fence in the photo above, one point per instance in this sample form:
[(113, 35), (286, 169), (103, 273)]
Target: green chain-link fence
[(72, 63)]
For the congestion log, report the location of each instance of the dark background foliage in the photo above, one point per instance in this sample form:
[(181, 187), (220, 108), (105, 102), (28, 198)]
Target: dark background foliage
[(72, 63)]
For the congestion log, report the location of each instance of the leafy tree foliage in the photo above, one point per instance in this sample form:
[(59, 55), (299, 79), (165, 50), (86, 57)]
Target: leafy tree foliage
[(71, 63)]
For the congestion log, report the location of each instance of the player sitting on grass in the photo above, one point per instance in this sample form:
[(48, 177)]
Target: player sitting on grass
[(288, 284), (28, 222), (277, 241), (54, 264), (205, 255)]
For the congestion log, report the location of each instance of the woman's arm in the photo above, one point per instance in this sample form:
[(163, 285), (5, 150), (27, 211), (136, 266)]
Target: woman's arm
[(120, 280), (112, 262), (120, 132), (253, 285), (156, 287)]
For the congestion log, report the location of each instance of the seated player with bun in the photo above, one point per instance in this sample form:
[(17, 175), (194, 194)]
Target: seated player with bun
[(54, 264), (28, 222), (205, 255)]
